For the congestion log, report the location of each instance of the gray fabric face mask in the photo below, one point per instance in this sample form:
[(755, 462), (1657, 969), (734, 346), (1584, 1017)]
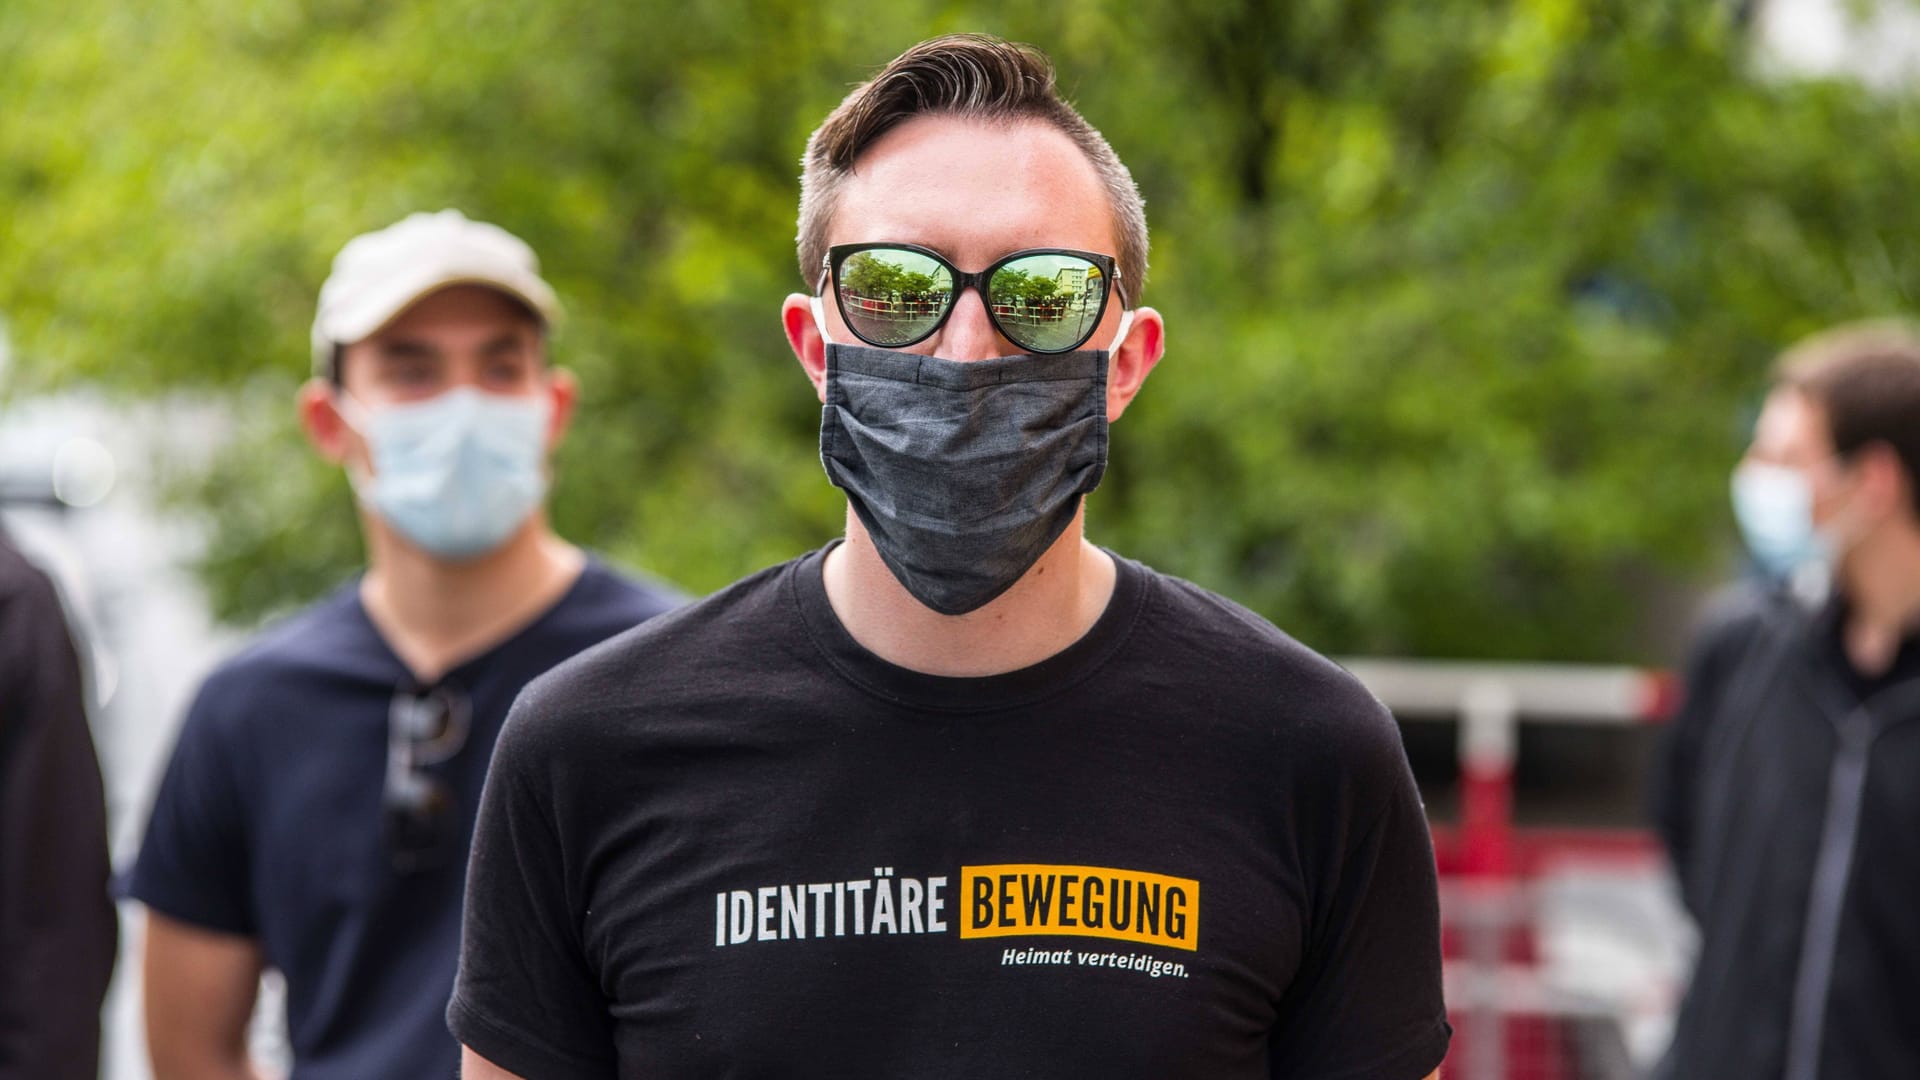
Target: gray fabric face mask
[(964, 473)]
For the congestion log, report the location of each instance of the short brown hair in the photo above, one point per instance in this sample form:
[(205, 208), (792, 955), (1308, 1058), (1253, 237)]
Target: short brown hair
[(967, 75), (1866, 376)]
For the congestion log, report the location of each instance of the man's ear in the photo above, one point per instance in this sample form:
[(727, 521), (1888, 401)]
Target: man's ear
[(320, 419), (1889, 489), (803, 336), (563, 392), (1129, 366)]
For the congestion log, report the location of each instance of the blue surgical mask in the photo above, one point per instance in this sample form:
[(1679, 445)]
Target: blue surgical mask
[(455, 474), (1774, 506)]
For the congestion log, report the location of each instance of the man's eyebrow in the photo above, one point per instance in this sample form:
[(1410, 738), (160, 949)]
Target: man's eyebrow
[(407, 349), (506, 342), (935, 248)]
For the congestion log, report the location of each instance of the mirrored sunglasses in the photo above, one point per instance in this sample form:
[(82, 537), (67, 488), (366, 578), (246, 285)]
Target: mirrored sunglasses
[(1045, 300)]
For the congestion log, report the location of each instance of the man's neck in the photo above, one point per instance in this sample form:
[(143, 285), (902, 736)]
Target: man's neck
[(1881, 577), (436, 614), (1052, 605)]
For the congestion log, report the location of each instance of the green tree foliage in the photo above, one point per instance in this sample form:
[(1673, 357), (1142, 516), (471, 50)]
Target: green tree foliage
[(1018, 284), (869, 275), (1466, 299)]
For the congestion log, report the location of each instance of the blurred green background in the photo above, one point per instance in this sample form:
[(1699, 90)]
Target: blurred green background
[(1469, 303)]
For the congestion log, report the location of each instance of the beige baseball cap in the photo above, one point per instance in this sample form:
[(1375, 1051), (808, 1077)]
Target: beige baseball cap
[(380, 274)]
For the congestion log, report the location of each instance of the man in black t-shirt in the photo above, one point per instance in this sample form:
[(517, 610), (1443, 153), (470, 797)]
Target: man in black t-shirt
[(963, 795), (316, 814)]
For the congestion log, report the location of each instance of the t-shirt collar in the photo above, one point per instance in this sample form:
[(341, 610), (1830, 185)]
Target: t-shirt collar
[(950, 694)]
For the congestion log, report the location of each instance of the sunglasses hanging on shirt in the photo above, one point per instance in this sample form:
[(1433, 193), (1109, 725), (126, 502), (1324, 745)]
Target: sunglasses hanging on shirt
[(424, 728), (1045, 300)]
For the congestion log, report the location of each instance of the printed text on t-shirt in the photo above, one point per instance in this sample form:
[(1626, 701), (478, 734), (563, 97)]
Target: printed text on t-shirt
[(1001, 900)]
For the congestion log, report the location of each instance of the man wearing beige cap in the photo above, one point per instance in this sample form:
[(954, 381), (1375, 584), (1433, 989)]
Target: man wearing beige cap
[(316, 813)]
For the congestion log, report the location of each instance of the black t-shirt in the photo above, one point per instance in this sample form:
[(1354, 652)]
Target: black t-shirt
[(735, 843), (57, 928), (269, 822)]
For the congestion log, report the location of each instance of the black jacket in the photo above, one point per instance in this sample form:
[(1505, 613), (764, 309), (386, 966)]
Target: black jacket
[(1788, 793), (57, 927)]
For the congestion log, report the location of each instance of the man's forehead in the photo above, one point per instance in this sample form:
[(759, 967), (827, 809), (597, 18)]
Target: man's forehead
[(974, 190), (459, 310), (1792, 426)]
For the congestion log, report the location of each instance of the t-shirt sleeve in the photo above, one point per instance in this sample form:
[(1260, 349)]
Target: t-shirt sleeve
[(526, 997), (195, 864), (1366, 1003)]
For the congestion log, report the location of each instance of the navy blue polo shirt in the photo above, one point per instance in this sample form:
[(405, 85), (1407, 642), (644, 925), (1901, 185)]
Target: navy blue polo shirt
[(268, 823)]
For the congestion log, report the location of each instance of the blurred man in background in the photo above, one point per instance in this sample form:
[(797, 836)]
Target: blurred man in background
[(964, 795), (58, 933), (316, 813), (1790, 795)]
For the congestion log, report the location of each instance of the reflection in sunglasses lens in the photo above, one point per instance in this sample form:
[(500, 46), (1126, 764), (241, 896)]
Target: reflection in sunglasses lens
[(892, 297), (1047, 303), (1043, 303)]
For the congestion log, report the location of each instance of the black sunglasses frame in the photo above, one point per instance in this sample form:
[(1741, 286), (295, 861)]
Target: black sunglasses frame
[(418, 807), (980, 282)]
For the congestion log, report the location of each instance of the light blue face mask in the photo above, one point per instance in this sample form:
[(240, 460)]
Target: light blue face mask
[(1774, 506), (455, 474)]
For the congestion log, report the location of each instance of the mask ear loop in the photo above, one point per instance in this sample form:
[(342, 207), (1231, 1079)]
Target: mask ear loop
[(358, 419), (351, 412), (818, 305), (1835, 538), (820, 319), (1126, 327)]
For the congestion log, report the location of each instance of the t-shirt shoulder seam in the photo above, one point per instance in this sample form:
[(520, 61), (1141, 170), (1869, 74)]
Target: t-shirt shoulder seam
[(283, 640), (630, 581), (1264, 636), (1269, 641)]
